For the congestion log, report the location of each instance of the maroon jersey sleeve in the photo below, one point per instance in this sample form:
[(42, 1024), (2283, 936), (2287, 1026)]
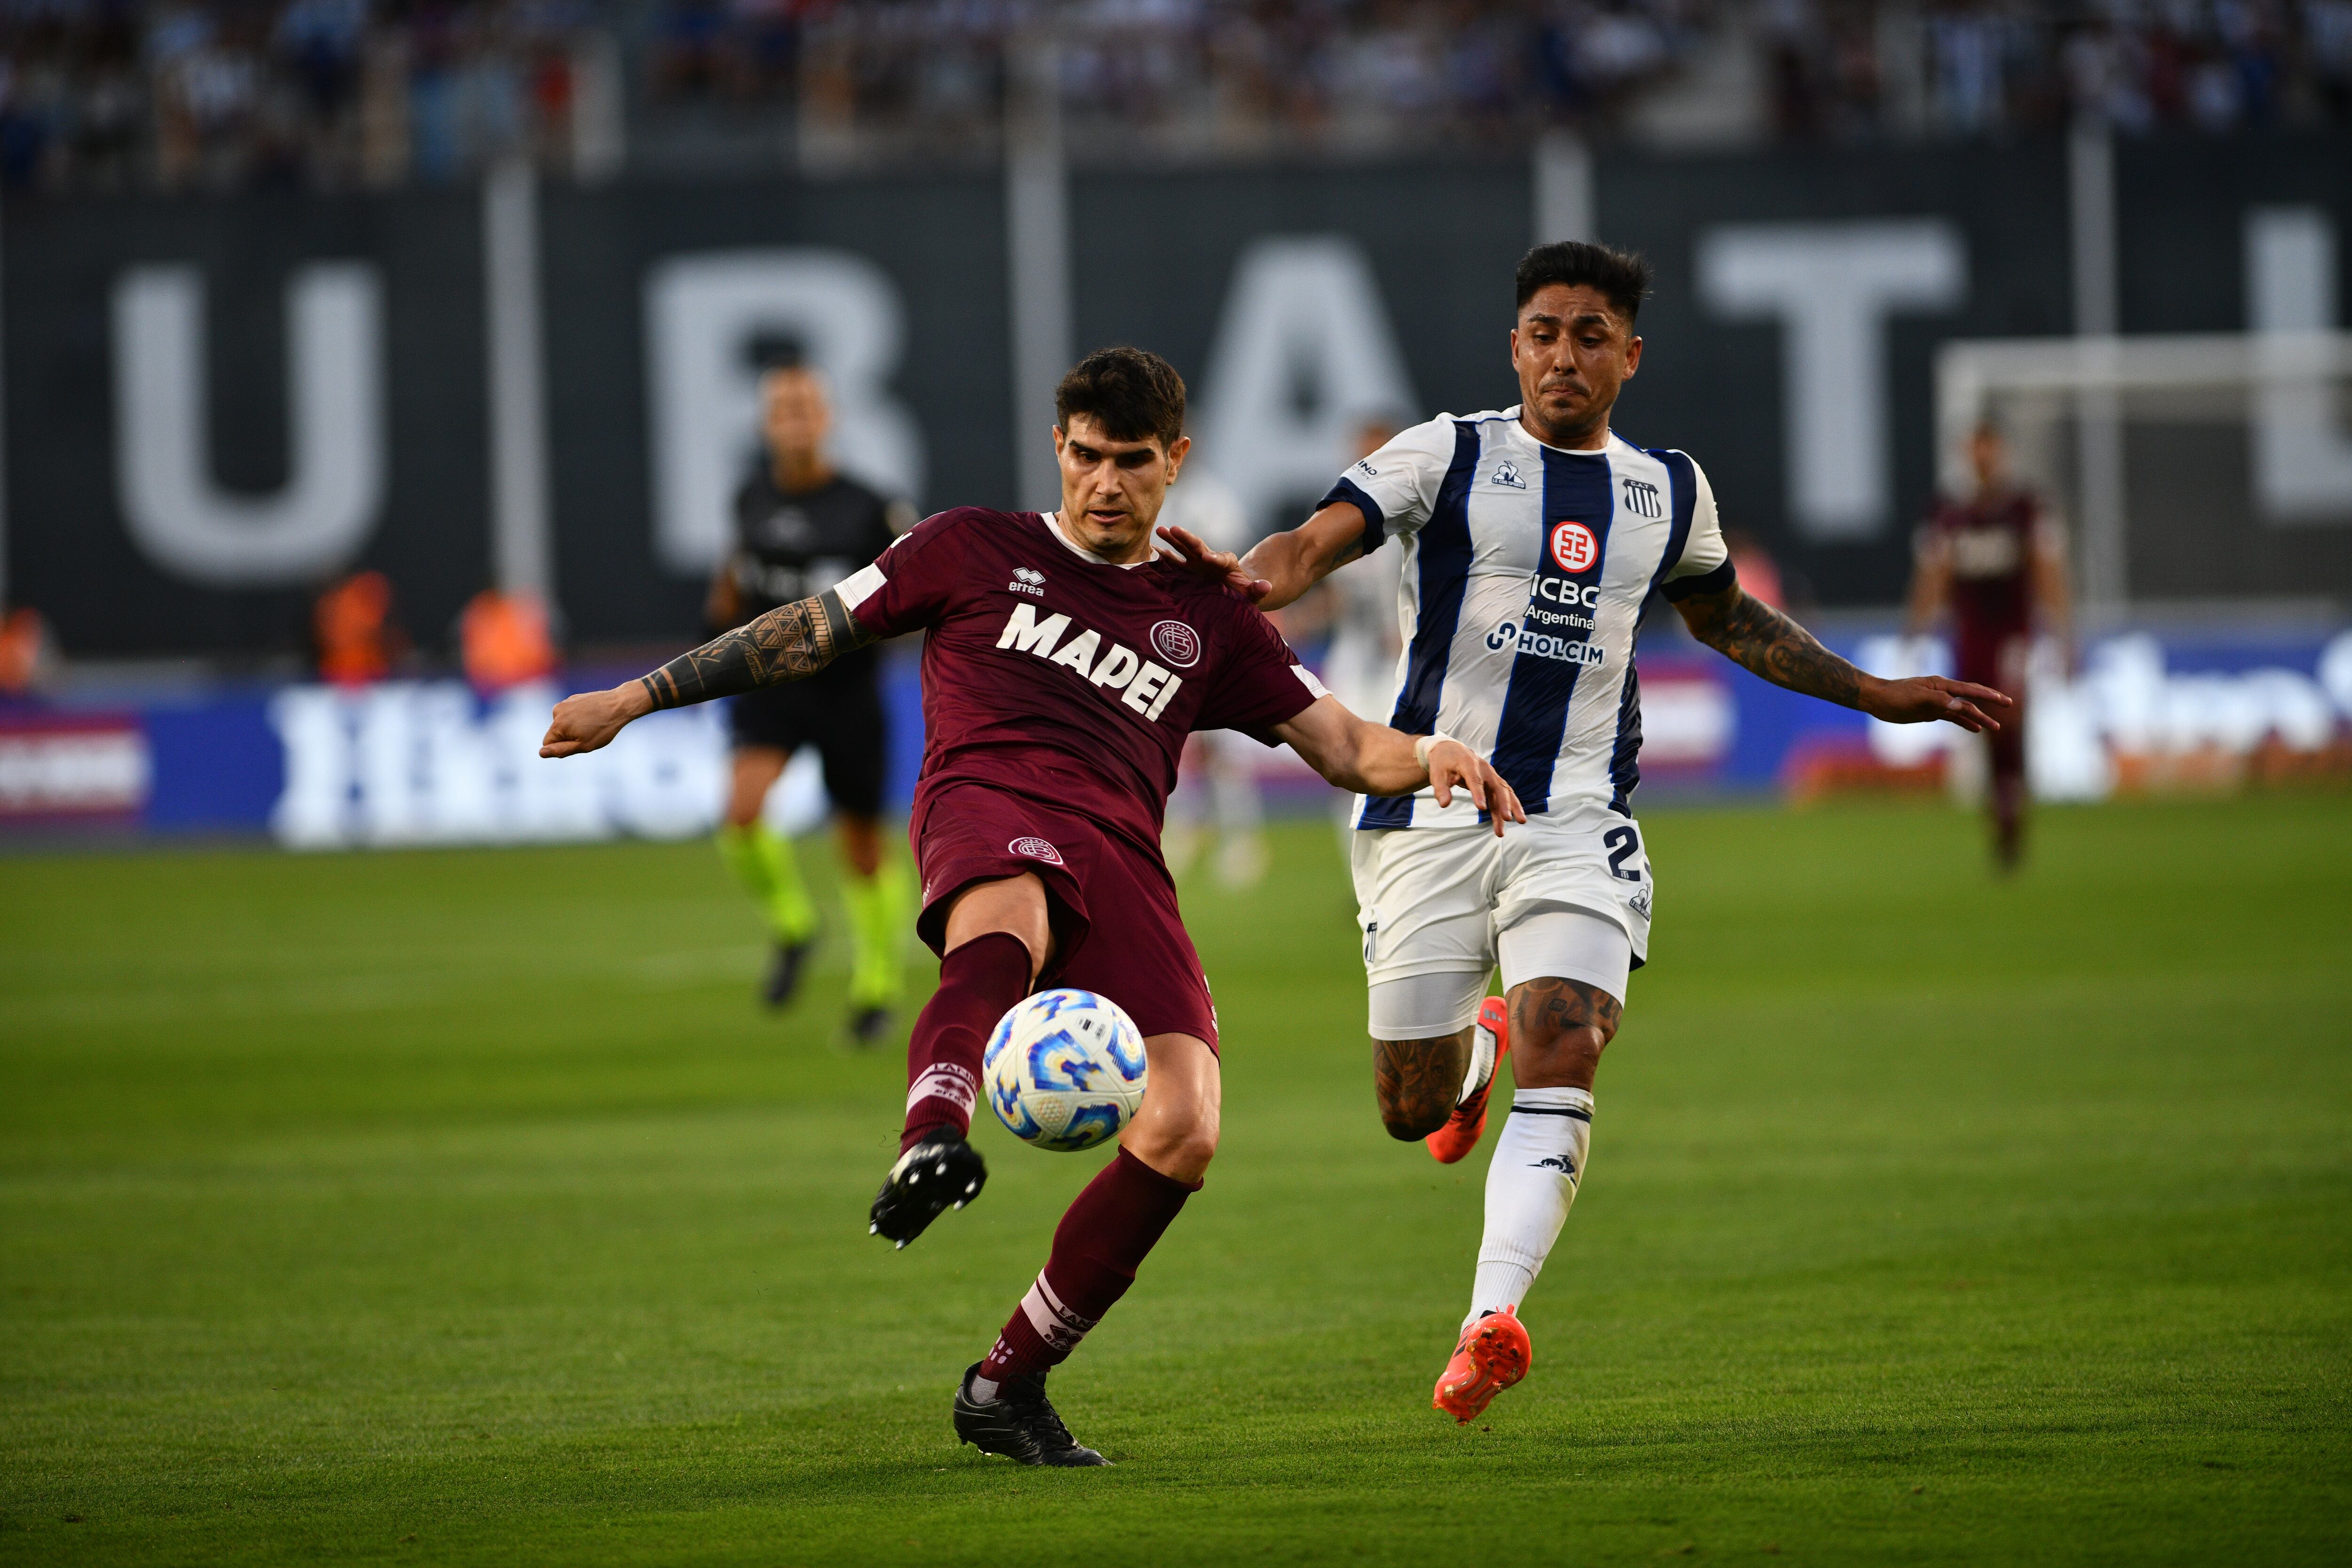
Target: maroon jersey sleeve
[(909, 585), (1260, 683)]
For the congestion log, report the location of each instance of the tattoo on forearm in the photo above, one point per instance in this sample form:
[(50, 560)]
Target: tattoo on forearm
[(789, 643), (1419, 1081), (1753, 634)]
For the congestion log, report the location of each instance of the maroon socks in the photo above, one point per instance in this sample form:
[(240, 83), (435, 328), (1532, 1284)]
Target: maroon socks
[(1101, 1241), (978, 983)]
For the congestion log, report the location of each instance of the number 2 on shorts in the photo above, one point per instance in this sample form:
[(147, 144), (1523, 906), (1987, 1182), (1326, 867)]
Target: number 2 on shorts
[(1622, 842)]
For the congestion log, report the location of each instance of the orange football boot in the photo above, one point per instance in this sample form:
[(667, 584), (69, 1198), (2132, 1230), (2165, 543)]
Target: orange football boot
[(1493, 1354), (1463, 1129)]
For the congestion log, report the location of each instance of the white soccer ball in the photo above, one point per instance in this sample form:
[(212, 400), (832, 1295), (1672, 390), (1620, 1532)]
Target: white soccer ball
[(1065, 1069)]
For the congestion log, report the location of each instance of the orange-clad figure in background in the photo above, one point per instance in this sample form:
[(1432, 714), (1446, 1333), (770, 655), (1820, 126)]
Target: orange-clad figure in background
[(26, 651), (1758, 572), (504, 640), (352, 622)]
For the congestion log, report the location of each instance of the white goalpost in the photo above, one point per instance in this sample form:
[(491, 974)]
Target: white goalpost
[(2199, 407), (2200, 476)]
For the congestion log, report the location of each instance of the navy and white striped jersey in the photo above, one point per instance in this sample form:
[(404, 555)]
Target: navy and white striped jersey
[(1525, 568)]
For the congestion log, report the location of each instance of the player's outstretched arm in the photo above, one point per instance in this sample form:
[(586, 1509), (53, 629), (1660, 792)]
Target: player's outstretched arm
[(1281, 566), (1754, 634), (789, 643), (1357, 754)]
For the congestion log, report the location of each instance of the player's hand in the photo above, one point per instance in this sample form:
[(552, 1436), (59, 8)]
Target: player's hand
[(1923, 699), (1453, 765), (1190, 551), (591, 720)]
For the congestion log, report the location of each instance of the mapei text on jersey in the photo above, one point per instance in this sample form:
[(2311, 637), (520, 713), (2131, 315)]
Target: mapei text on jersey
[(1142, 684)]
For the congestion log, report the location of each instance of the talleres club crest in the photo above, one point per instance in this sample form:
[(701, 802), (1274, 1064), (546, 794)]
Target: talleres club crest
[(1177, 643)]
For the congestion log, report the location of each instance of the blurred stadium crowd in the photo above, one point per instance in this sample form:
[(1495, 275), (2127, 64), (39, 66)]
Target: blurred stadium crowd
[(325, 93)]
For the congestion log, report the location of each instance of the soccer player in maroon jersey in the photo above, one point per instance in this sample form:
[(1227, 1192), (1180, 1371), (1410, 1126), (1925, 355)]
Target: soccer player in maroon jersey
[(1065, 665), (1998, 561)]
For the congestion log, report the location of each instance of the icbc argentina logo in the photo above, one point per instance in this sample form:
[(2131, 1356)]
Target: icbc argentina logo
[(1177, 643), (1036, 849), (1573, 548)]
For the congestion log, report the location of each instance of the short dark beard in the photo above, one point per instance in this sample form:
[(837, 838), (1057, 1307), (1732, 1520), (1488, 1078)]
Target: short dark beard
[(1078, 531), (1554, 435)]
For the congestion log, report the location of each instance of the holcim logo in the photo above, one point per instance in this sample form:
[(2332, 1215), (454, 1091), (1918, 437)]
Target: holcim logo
[(1036, 849), (1177, 643)]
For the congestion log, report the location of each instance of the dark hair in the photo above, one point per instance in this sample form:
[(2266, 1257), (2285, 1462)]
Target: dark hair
[(1620, 276), (1133, 394)]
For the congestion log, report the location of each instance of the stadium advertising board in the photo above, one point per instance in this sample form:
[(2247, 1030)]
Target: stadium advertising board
[(433, 761), (214, 403)]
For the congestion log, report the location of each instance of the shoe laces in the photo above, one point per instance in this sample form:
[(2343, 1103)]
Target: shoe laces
[(1027, 1404)]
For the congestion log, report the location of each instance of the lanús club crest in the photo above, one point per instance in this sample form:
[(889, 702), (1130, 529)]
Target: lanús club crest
[(1177, 643), (1036, 849)]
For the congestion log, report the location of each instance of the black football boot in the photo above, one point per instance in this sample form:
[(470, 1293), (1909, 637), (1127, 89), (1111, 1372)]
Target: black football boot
[(784, 973), (938, 1173), (1020, 1424)]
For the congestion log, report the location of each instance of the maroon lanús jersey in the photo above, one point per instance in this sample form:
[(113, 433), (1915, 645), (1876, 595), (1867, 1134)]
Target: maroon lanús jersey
[(1990, 541), (1050, 673)]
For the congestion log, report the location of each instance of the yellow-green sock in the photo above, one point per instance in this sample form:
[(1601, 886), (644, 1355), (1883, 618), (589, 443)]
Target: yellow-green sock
[(879, 907), (763, 862)]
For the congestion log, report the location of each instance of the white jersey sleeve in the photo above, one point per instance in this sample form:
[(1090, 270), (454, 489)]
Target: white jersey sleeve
[(1396, 486), (1705, 563)]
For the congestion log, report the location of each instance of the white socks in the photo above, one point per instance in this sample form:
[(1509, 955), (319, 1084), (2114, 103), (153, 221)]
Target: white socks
[(1538, 1161), (1482, 1061)]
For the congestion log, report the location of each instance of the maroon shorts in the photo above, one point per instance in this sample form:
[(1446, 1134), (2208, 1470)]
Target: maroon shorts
[(1116, 930)]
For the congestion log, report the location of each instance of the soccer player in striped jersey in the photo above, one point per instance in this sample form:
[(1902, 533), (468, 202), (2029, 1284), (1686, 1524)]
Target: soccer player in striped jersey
[(1532, 538)]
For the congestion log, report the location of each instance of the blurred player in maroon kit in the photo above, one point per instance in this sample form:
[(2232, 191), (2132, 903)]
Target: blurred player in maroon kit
[(1998, 559), (1065, 663)]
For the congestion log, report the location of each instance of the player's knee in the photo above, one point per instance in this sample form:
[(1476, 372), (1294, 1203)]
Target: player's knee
[(1414, 1119), (1566, 1056), (1418, 1083), (1181, 1151)]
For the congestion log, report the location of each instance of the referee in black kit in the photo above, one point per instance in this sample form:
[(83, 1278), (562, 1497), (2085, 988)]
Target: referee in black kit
[(800, 528)]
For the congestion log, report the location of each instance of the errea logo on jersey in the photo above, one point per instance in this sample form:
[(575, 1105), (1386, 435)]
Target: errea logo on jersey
[(1143, 684), (1027, 580)]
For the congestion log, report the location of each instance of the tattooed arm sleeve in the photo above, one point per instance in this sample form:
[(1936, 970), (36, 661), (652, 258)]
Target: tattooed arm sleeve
[(790, 642), (1753, 634)]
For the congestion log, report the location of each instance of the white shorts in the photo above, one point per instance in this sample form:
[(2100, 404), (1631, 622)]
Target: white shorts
[(1450, 901)]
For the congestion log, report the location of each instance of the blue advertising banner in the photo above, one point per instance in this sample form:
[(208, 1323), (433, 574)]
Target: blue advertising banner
[(435, 762)]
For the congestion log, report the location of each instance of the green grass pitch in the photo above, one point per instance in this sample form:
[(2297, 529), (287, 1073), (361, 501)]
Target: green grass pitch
[(462, 1207)]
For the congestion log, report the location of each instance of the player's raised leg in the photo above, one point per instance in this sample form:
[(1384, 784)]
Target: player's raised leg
[(1432, 1079), (997, 938), (1561, 1024), (1423, 902), (1104, 1237)]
